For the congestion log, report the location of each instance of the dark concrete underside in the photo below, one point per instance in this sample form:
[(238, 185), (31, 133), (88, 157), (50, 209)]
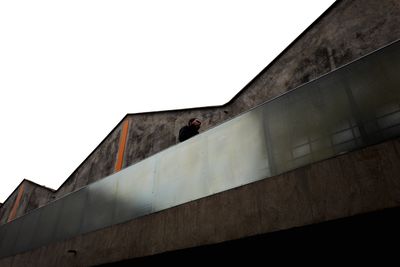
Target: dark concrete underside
[(352, 184), (371, 236)]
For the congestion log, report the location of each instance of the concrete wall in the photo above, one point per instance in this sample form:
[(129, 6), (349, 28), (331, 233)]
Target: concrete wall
[(355, 183), (151, 133), (26, 197), (350, 29), (346, 32), (362, 238), (99, 164), (8, 204)]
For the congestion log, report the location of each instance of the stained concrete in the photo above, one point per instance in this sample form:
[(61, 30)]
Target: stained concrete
[(33, 197), (350, 30), (347, 31), (360, 238), (5, 209), (99, 164), (359, 182), (147, 136)]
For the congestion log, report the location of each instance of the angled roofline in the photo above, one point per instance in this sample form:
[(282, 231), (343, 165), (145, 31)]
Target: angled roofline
[(28, 181), (211, 107)]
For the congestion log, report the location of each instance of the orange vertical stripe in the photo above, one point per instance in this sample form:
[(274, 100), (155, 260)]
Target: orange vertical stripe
[(14, 209), (122, 144)]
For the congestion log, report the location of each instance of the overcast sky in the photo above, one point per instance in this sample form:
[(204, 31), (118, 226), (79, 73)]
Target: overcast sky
[(71, 70)]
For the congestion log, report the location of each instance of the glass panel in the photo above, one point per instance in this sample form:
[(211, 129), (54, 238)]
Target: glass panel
[(350, 108), (99, 210), (301, 151), (389, 120), (45, 227), (27, 230), (9, 237), (71, 214), (135, 191), (181, 174), (2, 233), (343, 136), (237, 152), (373, 83)]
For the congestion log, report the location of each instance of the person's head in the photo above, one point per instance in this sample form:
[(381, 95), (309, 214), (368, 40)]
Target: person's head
[(194, 122)]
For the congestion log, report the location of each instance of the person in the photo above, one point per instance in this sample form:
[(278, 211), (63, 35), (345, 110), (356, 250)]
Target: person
[(189, 130)]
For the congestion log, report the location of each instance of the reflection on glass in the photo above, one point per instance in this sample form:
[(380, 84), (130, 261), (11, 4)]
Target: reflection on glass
[(355, 106)]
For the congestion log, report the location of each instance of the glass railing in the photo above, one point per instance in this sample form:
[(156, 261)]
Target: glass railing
[(350, 108)]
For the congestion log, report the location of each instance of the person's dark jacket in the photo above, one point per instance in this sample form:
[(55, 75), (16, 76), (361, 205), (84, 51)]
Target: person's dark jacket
[(186, 132)]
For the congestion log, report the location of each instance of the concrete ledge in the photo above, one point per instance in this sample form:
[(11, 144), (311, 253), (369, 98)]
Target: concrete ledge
[(365, 237), (362, 181)]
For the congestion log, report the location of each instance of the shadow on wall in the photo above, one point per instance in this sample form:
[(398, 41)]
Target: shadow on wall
[(350, 108)]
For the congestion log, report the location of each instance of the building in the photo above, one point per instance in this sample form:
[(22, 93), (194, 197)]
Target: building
[(257, 200)]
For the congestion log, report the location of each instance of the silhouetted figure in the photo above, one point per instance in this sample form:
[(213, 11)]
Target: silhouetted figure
[(189, 130)]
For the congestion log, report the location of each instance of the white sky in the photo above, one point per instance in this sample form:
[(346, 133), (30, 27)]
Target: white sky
[(71, 70)]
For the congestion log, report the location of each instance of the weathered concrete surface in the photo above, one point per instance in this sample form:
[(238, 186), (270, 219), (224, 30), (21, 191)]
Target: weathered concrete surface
[(33, 196), (5, 209), (359, 182), (147, 136), (99, 164), (347, 31), (363, 238)]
